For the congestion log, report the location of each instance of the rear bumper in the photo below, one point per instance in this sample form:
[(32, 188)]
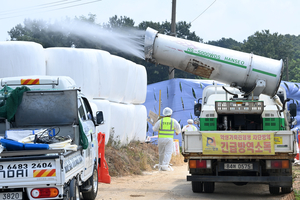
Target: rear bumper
[(282, 181)]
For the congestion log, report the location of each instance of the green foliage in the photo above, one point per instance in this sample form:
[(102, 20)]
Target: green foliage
[(227, 43), (269, 45)]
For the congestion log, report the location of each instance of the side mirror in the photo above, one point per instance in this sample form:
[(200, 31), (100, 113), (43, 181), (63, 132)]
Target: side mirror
[(197, 109), (293, 109), (99, 117)]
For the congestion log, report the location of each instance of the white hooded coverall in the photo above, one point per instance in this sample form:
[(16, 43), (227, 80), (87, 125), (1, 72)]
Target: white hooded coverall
[(165, 145)]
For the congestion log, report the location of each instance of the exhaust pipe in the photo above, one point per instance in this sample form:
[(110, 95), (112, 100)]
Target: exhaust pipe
[(245, 71)]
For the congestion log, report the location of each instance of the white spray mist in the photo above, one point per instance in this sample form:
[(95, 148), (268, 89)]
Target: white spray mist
[(129, 41)]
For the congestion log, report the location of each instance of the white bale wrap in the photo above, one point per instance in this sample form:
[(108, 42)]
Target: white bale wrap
[(104, 106), (238, 69), (140, 122), (18, 58), (119, 79), (79, 64), (130, 89), (118, 122), (130, 124), (140, 85)]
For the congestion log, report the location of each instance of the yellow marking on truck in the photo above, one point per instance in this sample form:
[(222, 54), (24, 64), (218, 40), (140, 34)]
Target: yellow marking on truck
[(238, 143), (30, 81), (278, 140), (44, 173)]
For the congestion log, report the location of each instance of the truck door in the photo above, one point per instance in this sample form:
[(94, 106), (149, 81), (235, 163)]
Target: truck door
[(86, 119)]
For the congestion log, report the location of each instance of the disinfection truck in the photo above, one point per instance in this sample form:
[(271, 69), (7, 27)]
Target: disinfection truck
[(245, 125)]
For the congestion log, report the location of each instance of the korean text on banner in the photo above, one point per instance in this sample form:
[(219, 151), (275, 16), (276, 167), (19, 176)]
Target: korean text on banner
[(238, 143)]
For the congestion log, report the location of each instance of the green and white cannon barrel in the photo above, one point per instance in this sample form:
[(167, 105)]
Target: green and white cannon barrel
[(238, 69)]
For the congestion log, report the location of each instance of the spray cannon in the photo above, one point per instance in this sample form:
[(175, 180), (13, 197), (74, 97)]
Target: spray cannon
[(251, 74)]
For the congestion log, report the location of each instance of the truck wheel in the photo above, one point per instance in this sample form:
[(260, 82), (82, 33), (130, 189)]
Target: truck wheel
[(74, 190), (274, 190), (286, 190), (209, 187), (197, 187), (93, 181)]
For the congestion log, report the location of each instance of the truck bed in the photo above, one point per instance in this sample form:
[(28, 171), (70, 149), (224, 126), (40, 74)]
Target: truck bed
[(41, 167)]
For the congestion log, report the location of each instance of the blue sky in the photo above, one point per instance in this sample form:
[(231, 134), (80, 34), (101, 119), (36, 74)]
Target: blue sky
[(235, 19)]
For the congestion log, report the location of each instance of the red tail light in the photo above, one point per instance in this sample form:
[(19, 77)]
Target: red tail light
[(277, 164), (202, 164), (44, 192)]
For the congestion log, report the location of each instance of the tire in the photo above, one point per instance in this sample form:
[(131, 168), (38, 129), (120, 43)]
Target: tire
[(93, 180), (74, 190), (274, 190), (286, 190), (209, 187), (197, 187)]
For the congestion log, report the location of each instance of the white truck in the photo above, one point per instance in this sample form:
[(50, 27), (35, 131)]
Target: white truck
[(44, 169), (245, 128)]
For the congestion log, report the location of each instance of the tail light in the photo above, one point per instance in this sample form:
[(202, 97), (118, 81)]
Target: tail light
[(44, 192), (201, 164), (277, 164)]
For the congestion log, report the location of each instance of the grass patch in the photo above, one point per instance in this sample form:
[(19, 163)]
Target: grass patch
[(134, 158), (297, 194)]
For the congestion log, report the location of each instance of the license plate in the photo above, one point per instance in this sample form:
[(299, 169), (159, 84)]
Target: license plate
[(11, 195), (239, 166)]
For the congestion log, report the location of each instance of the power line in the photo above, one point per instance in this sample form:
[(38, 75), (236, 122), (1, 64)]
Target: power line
[(54, 9), (38, 7), (204, 11), (29, 7)]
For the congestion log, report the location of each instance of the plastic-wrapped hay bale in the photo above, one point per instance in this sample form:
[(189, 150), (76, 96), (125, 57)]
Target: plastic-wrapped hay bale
[(140, 122), (130, 89), (141, 85), (104, 64), (119, 79), (104, 106), (130, 123), (91, 69), (18, 58), (118, 123)]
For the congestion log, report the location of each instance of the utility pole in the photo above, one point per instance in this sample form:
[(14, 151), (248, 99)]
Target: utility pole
[(173, 33)]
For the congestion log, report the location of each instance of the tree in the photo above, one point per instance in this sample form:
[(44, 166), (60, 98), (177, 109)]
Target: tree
[(227, 43), (268, 45)]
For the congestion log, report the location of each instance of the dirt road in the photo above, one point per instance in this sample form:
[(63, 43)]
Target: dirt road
[(173, 185)]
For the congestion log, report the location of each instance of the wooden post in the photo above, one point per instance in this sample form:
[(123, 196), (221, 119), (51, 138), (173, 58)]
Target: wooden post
[(159, 100)]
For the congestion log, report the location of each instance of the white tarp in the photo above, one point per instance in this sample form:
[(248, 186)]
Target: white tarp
[(140, 85), (18, 58), (119, 79), (79, 64), (104, 106), (140, 119), (100, 74)]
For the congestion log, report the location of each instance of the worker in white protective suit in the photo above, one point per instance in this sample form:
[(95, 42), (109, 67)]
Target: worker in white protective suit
[(189, 126), (165, 128)]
